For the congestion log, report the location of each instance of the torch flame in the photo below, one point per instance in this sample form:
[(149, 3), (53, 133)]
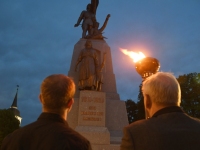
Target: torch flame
[(135, 56)]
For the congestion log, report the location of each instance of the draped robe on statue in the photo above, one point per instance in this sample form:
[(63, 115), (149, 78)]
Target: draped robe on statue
[(87, 69)]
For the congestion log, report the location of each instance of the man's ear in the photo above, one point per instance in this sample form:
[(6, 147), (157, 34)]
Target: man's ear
[(70, 103), (40, 97), (148, 102)]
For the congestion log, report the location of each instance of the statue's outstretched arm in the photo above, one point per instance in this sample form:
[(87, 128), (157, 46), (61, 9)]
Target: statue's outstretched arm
[(81, 17), (105, 23)]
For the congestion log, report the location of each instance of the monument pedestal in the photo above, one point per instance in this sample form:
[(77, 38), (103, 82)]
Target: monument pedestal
[(96, 135), (91, 117), (98, 116)]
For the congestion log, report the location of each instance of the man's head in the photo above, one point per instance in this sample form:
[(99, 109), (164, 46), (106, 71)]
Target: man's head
[(56, 93), (161, 89)]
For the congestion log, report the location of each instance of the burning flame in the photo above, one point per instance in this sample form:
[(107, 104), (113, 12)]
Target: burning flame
[(135, 56)]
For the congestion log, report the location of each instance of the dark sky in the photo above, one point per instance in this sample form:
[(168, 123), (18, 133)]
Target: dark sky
[(37, 39)]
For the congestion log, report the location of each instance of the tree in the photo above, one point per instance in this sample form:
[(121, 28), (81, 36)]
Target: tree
[(131, 108), (140, 105), (8, 123), (190, 93), (135, 111)]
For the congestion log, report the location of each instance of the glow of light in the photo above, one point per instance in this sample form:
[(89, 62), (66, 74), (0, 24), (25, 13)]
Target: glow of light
[(133, 55)]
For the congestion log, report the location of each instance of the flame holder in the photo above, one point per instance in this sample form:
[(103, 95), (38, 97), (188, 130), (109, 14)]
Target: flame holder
[(147, 67)]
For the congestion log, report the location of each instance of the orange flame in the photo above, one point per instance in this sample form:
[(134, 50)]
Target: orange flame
[(135, 56)]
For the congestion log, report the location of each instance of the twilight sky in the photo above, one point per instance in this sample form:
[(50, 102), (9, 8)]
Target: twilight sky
[(37, 39)]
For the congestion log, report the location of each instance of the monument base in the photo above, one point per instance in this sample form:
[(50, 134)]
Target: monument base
[(96, 135), (98, 115)]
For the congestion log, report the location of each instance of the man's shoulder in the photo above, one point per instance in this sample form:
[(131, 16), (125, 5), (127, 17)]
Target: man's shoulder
[(64, 131), (21, 129), (73, 138), (166, 119), (68, 131), (138, 124), (146, 123), (193, 120), (54, 133), (15, 136)]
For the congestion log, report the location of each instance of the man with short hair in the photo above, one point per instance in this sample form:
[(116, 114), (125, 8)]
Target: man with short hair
[(51, 130), (166, 126)]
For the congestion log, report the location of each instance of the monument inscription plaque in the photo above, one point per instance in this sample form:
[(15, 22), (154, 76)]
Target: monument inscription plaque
[(92, 108), (91, 117)]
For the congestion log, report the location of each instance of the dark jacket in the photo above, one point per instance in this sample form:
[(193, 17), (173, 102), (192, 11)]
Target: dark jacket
[(49, 132), (169, 129)]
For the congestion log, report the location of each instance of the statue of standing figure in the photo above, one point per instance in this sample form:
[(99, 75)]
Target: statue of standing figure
[(90, 26), (88, 18), (88, 60), (90, 72)]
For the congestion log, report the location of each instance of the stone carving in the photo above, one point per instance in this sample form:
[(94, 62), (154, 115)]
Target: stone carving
[(90, 26), (99, 77), (87, 69), (90, 72)]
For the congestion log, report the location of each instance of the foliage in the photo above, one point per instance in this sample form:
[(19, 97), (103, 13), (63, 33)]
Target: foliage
[(8, 123), (135, 111), (190, 93), (140, 105), (131, 108)]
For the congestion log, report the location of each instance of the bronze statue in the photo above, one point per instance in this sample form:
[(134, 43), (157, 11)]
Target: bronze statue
[(88, 68), (96, 32), (90, 26), (88, 17), (99, 76)]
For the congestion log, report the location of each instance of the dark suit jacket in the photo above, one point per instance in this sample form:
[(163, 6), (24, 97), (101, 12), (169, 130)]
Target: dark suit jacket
[(169, 129), (49, 132)]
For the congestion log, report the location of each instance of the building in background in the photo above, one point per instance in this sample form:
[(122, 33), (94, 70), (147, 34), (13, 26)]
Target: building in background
[(14, 109)]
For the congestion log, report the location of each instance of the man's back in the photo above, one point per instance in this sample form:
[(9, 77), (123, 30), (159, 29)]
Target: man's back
[(49, 132), (167, 131)]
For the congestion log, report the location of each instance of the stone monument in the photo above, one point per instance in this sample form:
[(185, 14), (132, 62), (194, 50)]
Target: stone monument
[(97, 113)]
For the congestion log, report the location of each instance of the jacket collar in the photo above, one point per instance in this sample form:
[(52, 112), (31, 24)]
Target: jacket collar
[(52, 117), (168, 110)]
